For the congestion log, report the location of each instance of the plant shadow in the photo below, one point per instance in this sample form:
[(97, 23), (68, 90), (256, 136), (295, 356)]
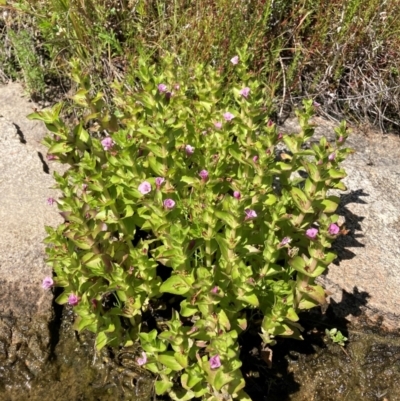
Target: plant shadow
[(351, 233), (274, 380)]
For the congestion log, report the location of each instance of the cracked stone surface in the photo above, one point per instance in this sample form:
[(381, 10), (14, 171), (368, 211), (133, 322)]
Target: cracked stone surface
[(25, 185)]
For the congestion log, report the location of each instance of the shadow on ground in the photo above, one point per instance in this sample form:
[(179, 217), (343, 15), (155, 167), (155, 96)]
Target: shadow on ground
[(278, 382)]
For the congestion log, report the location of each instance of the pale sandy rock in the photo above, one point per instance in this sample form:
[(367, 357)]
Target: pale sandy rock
[(25, 185), (366, 276)]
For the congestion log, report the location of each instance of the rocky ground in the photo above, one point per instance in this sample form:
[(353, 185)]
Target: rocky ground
[(364, 281), (365, 278)]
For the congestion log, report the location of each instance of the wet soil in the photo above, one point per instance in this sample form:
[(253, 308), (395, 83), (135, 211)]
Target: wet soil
[(316, 369), (66, 369), (367, 368)]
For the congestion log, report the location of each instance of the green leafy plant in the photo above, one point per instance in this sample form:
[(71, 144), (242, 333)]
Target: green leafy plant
[(336, 336), (190, 219)]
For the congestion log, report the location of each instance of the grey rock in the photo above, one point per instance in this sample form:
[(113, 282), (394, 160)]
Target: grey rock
[(24, 189), (365, 279), (25, 185)]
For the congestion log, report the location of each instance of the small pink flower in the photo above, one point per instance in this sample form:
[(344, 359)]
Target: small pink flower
[(228, 116), (51, 201), (204, 175), (236, 194), (332, 156), (168, 94), (159, 181), (255, 159), (285, 241), (235, 60), (143, 360), (73, 300), (340, 139), (250, 214), (333, 229), (316, 104), (169, 203), (215, 362), (218, 125), (311, 233), (84, 187), (47, 283), (51, 157), (189, 149), (245, 92), (144, 188), (107, 143), (270, 123), (162, 88), (280, 136), (215, 290), (177, 87), (104, 227)]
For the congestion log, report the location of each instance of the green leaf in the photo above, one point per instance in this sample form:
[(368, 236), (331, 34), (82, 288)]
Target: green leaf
[(187, 309), (156, 166), (236, 154), (148, 132), (63, 298), (300, 199), (315, 292), (81, 133), (96, 262), (81, 244), (227, 218), (312, 171), (292, 315), (307, 303), (60, 147), (206, 105), (270, 200), (297, 263), (335, 174), (224, 320), (148, 337), (101, 340), (162, 386), (168, 360), (83, 322), (250, 298), (189, 180), (181, 359), (176, 284), (192, 377), (340, 186), (291, 142), (329, 205), (221, 379), (223, 246)]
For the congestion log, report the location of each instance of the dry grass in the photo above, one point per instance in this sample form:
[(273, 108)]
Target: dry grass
[(343, 54)]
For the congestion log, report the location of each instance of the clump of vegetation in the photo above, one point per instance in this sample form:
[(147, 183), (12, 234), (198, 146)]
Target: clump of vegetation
[(336, 336), (190, 220)]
